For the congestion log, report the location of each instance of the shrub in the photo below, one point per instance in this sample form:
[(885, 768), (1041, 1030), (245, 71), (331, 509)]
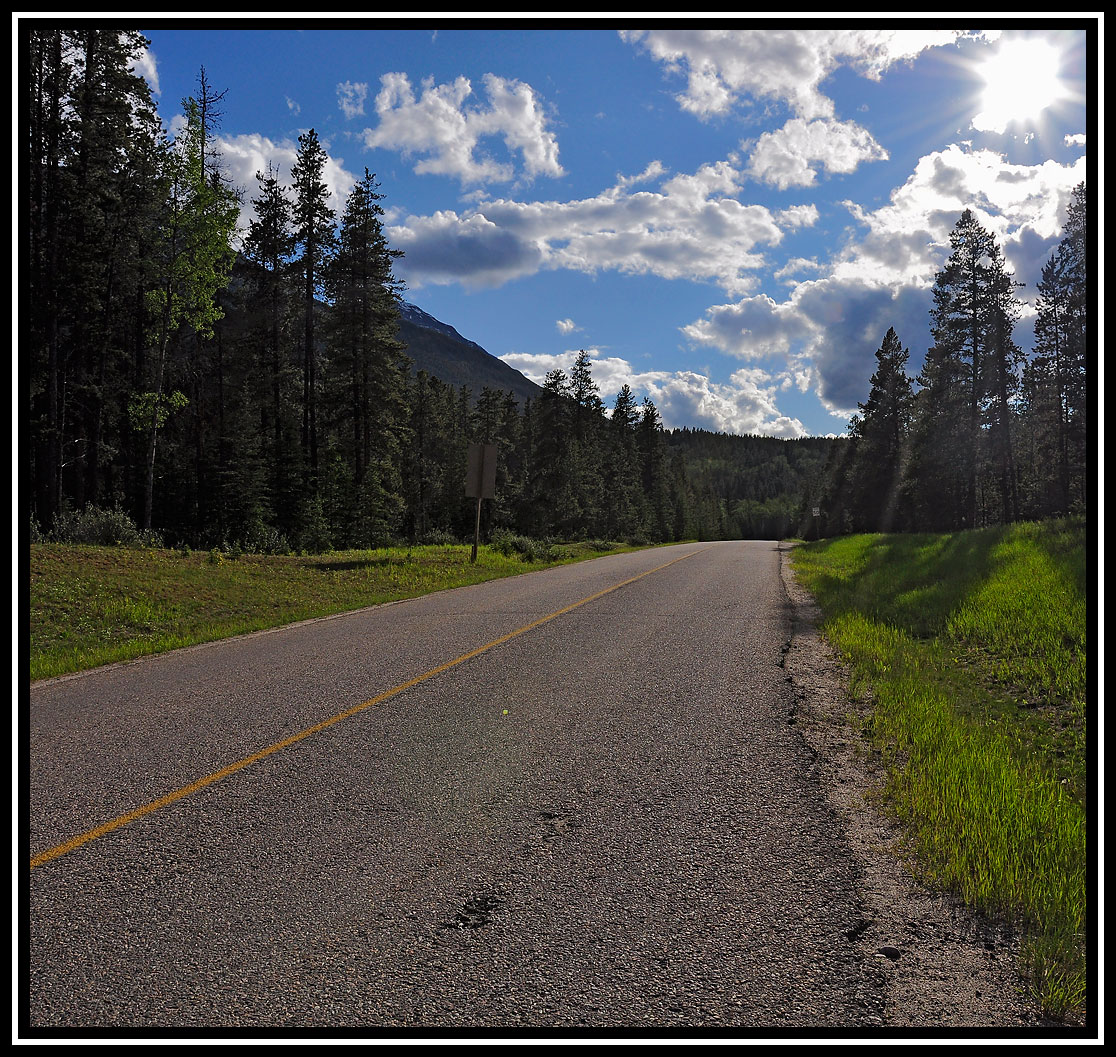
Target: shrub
[(512, 545), (259, 538), (104, 528), (313, 535), (438, 538)]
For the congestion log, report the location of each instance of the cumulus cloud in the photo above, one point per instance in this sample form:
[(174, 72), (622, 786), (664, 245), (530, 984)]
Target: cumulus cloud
[(724, 66), (693, 227), (829, 327), (147, 67), (799, 216), (444, 132), (907, 240), (350, 98), (447, 248), (244, 156), (744, 404), (796, 266), (790, 156), (652, 172), (566, 326), (751, 329)]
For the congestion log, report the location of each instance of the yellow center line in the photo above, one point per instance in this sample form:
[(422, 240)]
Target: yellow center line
[(178, 794)]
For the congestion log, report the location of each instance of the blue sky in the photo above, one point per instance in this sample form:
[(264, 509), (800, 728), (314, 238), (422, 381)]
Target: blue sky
[(727, 219)]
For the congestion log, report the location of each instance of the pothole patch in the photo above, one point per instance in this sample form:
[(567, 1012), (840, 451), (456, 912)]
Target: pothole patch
[(556, 825), (475, 913)]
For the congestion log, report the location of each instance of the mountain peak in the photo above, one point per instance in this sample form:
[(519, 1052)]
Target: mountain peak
[(438, 349), (414, 314)]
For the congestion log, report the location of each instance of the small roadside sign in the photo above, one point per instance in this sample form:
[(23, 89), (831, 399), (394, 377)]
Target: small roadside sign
[(480, 481)]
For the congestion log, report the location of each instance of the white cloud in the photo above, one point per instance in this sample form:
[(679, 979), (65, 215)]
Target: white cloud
[(471, 249), (350, 98), (825, 333), (790, 155), (438, 127), (799, 216), (797, 265), (652, 172), (693, 228), (907, 239), (147, 67), (292, 106), (566, 326), (829, 327), (244, 156), (724, 66), (744, 404), (751, 329), (741, 406)]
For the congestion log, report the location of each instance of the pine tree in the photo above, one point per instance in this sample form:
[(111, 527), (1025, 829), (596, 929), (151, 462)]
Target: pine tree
[(92, 191), (1054, 380), (879, 435), (215, 372), (1001, 390), (1077, 248), (585, 392), (656, 500), (552, 502), (420, 465), (269, 246), (586, 458), (314, 235), (51, 78), (367, 361), (966, 389), (623, 519), (495, 420)]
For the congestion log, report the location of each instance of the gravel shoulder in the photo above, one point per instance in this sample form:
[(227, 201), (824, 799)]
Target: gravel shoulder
[(946, 967)]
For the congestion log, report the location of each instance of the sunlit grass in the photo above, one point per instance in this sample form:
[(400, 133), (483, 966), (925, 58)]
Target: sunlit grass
[(95, 605), (971, 648)]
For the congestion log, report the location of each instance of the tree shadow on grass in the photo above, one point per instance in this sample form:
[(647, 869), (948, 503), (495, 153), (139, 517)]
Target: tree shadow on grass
[(352, 565), (913, 582)]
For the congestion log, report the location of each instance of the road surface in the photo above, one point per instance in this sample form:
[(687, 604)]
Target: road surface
[(571, 799)]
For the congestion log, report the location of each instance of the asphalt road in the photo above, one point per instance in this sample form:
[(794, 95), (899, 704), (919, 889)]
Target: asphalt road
[(605, 818)]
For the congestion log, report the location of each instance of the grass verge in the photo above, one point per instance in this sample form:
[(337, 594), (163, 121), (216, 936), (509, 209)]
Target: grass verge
[(970, 648), (95, 605)]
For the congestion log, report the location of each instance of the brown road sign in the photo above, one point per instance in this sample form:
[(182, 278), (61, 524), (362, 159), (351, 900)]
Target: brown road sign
[(480, 480)]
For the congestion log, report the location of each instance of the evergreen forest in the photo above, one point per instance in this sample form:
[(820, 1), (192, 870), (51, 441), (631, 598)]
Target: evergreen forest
[(984, 434), (215, 387)]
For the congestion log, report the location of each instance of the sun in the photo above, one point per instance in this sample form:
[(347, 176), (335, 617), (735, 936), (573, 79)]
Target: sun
[(1020, 81)]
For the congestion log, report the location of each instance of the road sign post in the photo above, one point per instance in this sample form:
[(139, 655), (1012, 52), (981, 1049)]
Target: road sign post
[(480, 481)]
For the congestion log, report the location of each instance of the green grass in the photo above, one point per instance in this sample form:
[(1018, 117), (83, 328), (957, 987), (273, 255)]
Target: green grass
[(95, 605), (970, 648)]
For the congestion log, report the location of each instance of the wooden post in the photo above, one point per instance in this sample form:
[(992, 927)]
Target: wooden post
[(476, 532)]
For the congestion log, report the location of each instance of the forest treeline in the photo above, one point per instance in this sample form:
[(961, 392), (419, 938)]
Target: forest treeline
[(252, 389)]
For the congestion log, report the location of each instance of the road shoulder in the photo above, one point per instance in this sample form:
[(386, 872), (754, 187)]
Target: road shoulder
[(945, 966)]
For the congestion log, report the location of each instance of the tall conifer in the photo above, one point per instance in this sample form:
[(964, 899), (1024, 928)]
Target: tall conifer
[(314, 233)]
